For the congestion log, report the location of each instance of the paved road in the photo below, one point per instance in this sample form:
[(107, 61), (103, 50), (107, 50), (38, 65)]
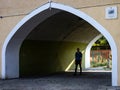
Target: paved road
[(62, 81)]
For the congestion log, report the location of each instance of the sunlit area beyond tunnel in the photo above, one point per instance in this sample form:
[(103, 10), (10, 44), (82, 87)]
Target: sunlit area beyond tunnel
[(100, 55)]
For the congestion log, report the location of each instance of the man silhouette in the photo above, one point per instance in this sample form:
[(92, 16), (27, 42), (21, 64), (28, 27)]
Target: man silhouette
[(78, 61)]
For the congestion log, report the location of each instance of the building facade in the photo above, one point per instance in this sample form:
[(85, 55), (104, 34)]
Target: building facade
[(40, 37)]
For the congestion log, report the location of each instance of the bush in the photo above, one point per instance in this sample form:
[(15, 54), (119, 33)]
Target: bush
[(98, 64)]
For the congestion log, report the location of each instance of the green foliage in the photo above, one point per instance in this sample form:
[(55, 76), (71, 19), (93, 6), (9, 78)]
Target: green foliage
[(101, 42), (98, 64), (103, 64)]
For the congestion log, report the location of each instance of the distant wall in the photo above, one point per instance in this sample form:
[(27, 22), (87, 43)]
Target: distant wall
[(45, 57)]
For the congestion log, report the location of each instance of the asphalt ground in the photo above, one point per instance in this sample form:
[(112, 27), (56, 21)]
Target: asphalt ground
[(62, 81), (91, 79)]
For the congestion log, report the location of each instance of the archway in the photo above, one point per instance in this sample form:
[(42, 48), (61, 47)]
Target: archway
[(18, 34), (87, 53)]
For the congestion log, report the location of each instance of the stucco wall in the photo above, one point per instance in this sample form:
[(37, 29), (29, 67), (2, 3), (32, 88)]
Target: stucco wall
[(13, 7), (113, 26), (11, 13), (6, 25)]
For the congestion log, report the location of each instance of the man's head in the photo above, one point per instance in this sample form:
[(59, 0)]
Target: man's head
[(78, 49)]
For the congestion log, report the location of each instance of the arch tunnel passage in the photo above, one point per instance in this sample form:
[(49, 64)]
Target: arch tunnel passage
[(50, 46)]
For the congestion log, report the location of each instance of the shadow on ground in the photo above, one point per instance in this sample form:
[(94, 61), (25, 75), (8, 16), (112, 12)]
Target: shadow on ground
[(61, 81)]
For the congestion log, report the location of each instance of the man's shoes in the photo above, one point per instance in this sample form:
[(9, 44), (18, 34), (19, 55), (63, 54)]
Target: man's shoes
[(80, 73), (74, 74)]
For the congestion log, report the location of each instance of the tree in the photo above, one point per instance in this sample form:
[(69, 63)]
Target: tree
[(101, 43)]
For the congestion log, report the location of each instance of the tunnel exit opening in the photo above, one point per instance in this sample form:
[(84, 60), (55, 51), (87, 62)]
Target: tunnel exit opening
[(12, 44)]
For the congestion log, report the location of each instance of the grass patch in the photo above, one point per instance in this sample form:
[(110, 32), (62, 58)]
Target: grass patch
[(102, 63)]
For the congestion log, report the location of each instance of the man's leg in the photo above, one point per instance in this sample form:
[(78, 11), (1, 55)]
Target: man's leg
[(76, 65), (80, 68)]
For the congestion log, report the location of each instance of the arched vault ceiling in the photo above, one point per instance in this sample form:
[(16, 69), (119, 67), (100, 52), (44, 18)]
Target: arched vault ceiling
[(64, 26)]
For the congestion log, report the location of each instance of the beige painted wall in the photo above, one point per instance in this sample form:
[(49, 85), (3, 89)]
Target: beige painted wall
[(113, 26), (16, 7), (14, 10), (87, 3), (13, 7), (6, 25)]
